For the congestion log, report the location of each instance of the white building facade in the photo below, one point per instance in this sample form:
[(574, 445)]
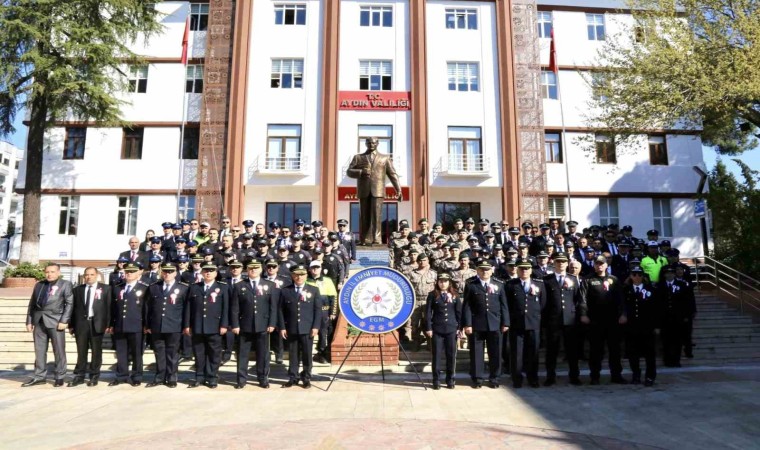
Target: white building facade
[(430, 79)]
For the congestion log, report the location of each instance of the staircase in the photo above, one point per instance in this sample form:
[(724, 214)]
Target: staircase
[(370, 257)]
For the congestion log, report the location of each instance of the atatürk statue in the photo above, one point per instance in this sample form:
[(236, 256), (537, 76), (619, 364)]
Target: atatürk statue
[(370, 169)]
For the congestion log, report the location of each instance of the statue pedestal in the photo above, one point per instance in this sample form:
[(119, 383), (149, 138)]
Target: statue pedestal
[(367, 350)]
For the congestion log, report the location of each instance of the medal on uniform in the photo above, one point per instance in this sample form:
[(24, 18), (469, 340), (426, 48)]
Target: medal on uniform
[(173, 298), (533, 289)]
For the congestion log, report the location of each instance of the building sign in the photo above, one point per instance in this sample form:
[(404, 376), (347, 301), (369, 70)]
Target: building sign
[(699, 208), (348, 194), (374, 100)]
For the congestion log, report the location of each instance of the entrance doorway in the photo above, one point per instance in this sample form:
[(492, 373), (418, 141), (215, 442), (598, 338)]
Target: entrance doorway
[(388, 225)]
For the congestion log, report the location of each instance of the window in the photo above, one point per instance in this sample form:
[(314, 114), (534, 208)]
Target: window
[(553, 146), (194, 79), (376, 16), (595, 26), (557, 208), (383, 133), (290, 14), (138, 79), (447, 213), (463, 76), (605, 150), (460, 19), (131, 147), (608, 211), (287, 73), (75, 139), (663, 221), (69, 212), (191, 141), (545, 24), (126, 222), (198, 16), (658, 151), (549, 85), (283, 147), (639, 35), (465, 153), (287, 213), (375, 75), (186, 208)]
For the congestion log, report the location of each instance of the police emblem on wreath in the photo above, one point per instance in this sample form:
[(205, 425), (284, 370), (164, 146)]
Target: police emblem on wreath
[(377, 300)]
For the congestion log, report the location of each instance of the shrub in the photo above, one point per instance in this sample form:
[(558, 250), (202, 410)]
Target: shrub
[(26, 270)]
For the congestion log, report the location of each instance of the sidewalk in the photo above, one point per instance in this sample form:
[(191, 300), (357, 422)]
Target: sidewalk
[(710, 408)]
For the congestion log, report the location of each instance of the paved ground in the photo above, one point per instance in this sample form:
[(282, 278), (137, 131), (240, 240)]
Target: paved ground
[(694, 408)]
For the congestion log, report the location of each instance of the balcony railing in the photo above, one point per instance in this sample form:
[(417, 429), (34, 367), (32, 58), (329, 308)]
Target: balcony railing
[(280, 165), (465, 164)]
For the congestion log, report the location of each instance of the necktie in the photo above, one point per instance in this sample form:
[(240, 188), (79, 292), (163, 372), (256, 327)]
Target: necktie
[(87, 300), (525, 287), (253, 285), (205, 289), (44, 294), (166, 289), (560, 280), (638, 289), (129, 289), (134, 255)]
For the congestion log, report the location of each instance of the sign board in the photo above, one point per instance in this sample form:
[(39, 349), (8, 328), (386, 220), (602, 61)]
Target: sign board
[(374, 100), (700, 207), (377, 300), (348, 194)]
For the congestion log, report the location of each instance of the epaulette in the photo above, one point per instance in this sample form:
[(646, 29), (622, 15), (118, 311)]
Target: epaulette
[(538, 279), (142, 282), (222, 282), (183, 283)]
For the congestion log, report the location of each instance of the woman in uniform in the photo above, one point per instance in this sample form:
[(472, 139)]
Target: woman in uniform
[(443, 314)]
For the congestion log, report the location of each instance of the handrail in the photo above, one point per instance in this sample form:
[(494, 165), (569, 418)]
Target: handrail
[(727, 280)]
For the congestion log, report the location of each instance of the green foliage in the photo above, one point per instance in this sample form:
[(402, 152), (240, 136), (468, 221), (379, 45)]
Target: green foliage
[(735, 209), (695, 65), (26, 270)]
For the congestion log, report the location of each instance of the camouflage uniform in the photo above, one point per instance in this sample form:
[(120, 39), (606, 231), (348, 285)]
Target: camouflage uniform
[(423, 281)]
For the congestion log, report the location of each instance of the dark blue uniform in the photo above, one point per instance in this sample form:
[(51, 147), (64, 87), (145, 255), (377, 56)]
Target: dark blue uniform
[(642, 309), (443, 314), (561, 321), (300, 312), (208, 315), (485, 310), (165, 316), (275, 340), (127, 322), (604, 306), (254, 309), (679, 308), (349, 241), (525, 309)]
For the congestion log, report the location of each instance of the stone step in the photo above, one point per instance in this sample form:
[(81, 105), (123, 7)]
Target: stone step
[(731, 320), (705, 340)]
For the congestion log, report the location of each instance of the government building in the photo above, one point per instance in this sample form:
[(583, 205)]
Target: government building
[(276, 97)]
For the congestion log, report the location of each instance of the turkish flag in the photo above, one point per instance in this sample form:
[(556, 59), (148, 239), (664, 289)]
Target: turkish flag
[(186, 38), (553, 56)]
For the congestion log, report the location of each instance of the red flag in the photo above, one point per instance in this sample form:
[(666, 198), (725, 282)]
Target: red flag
[(553, 56), (186, 38)]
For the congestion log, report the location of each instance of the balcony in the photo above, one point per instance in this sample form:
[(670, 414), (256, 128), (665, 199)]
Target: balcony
[(473, 165), (280, 165)]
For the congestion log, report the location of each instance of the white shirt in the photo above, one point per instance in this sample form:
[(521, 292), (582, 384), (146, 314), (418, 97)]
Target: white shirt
[(91, 288)]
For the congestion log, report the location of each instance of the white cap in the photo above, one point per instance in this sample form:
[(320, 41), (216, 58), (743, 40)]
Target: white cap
[(315, 264)]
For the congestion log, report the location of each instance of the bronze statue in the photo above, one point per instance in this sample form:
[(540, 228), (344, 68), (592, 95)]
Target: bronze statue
[(370, 169)]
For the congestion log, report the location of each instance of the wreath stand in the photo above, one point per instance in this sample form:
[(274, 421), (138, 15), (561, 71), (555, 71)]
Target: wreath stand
[(382, 364)]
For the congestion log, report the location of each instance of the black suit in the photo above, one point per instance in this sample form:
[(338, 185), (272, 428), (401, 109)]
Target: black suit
[(141, 256), (619, 265), (208, 315), (299, 313), (165, 317), (89, 330), (525, 318), (560, 319), (485, 310), (678, 309), (253, 311), (443, 314), (127, 314)]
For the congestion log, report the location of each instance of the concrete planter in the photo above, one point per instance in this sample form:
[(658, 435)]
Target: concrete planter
[(19, 282), (367, 351)]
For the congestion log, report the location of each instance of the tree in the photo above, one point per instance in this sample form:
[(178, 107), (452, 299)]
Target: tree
[(64, 60), (691, 63)]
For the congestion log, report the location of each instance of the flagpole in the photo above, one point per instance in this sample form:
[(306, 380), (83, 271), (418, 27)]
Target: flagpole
[(554, 67), (184, 113)]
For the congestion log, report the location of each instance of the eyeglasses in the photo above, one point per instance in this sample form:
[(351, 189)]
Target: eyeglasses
[(225, 221), (193, 223), (236, 231)]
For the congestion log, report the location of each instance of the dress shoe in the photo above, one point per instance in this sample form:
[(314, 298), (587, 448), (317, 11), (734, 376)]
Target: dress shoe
[(226, 359), (240, 386), (93, 382), (58, 383), (307, 384), (193, 384), (594, 382), (436, 385), (576, 382), (619, 380), (33, 382), (114, 383), (648, 382), (477, 384), (278, 360), (76, 382), (185, 358), (171, 384), (290, 383), (534, 384), (135, 383), (153, 384), (550, 382), (450, 384), (212, 386), (264, 385), (494, 384)]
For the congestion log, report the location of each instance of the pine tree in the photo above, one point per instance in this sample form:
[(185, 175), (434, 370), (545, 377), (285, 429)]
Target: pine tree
[(64, 60)]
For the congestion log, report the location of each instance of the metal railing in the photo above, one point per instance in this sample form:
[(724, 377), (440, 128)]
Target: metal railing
[(465, 163), (280, 164), (729, 281)]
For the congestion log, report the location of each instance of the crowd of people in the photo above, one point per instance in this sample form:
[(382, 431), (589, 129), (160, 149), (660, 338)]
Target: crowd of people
[(203, 293)]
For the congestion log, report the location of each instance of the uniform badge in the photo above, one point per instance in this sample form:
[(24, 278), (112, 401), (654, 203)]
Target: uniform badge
[(568, 284), (138, 294), (176, 291), (533, 289)]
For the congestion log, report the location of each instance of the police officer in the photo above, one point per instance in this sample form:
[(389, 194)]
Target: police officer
[(166, 315), (253, 313), (526, 299), (463, 273), (153, 273), (678, 309), (127, 326), (116, 277), (423, 279), (443, 314), (603, 311), (641, 316), (484, 318), (234, 276), (329, 300), (208, 320), (347, 238), (561, 315), (299, 318), (332, 265)]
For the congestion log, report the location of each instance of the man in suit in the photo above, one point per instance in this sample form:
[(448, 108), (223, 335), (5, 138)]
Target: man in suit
[(253, 316), (526, 299), (370, 169), (91, 317), (167, 314), (134, 254), (300, 315), (48, 316), (127, 314), (272, 274), (206, 324), (560, 319), (484, 318)]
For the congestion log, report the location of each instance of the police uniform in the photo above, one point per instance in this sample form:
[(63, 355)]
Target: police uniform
[(167, 315), (641, 311), (443, 314), (127, 323), (348, 240), (254, 311), (209, 314), (329, 301), (300, 312), (275, 340), (423, 282), (678, 307), (526, 300)]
